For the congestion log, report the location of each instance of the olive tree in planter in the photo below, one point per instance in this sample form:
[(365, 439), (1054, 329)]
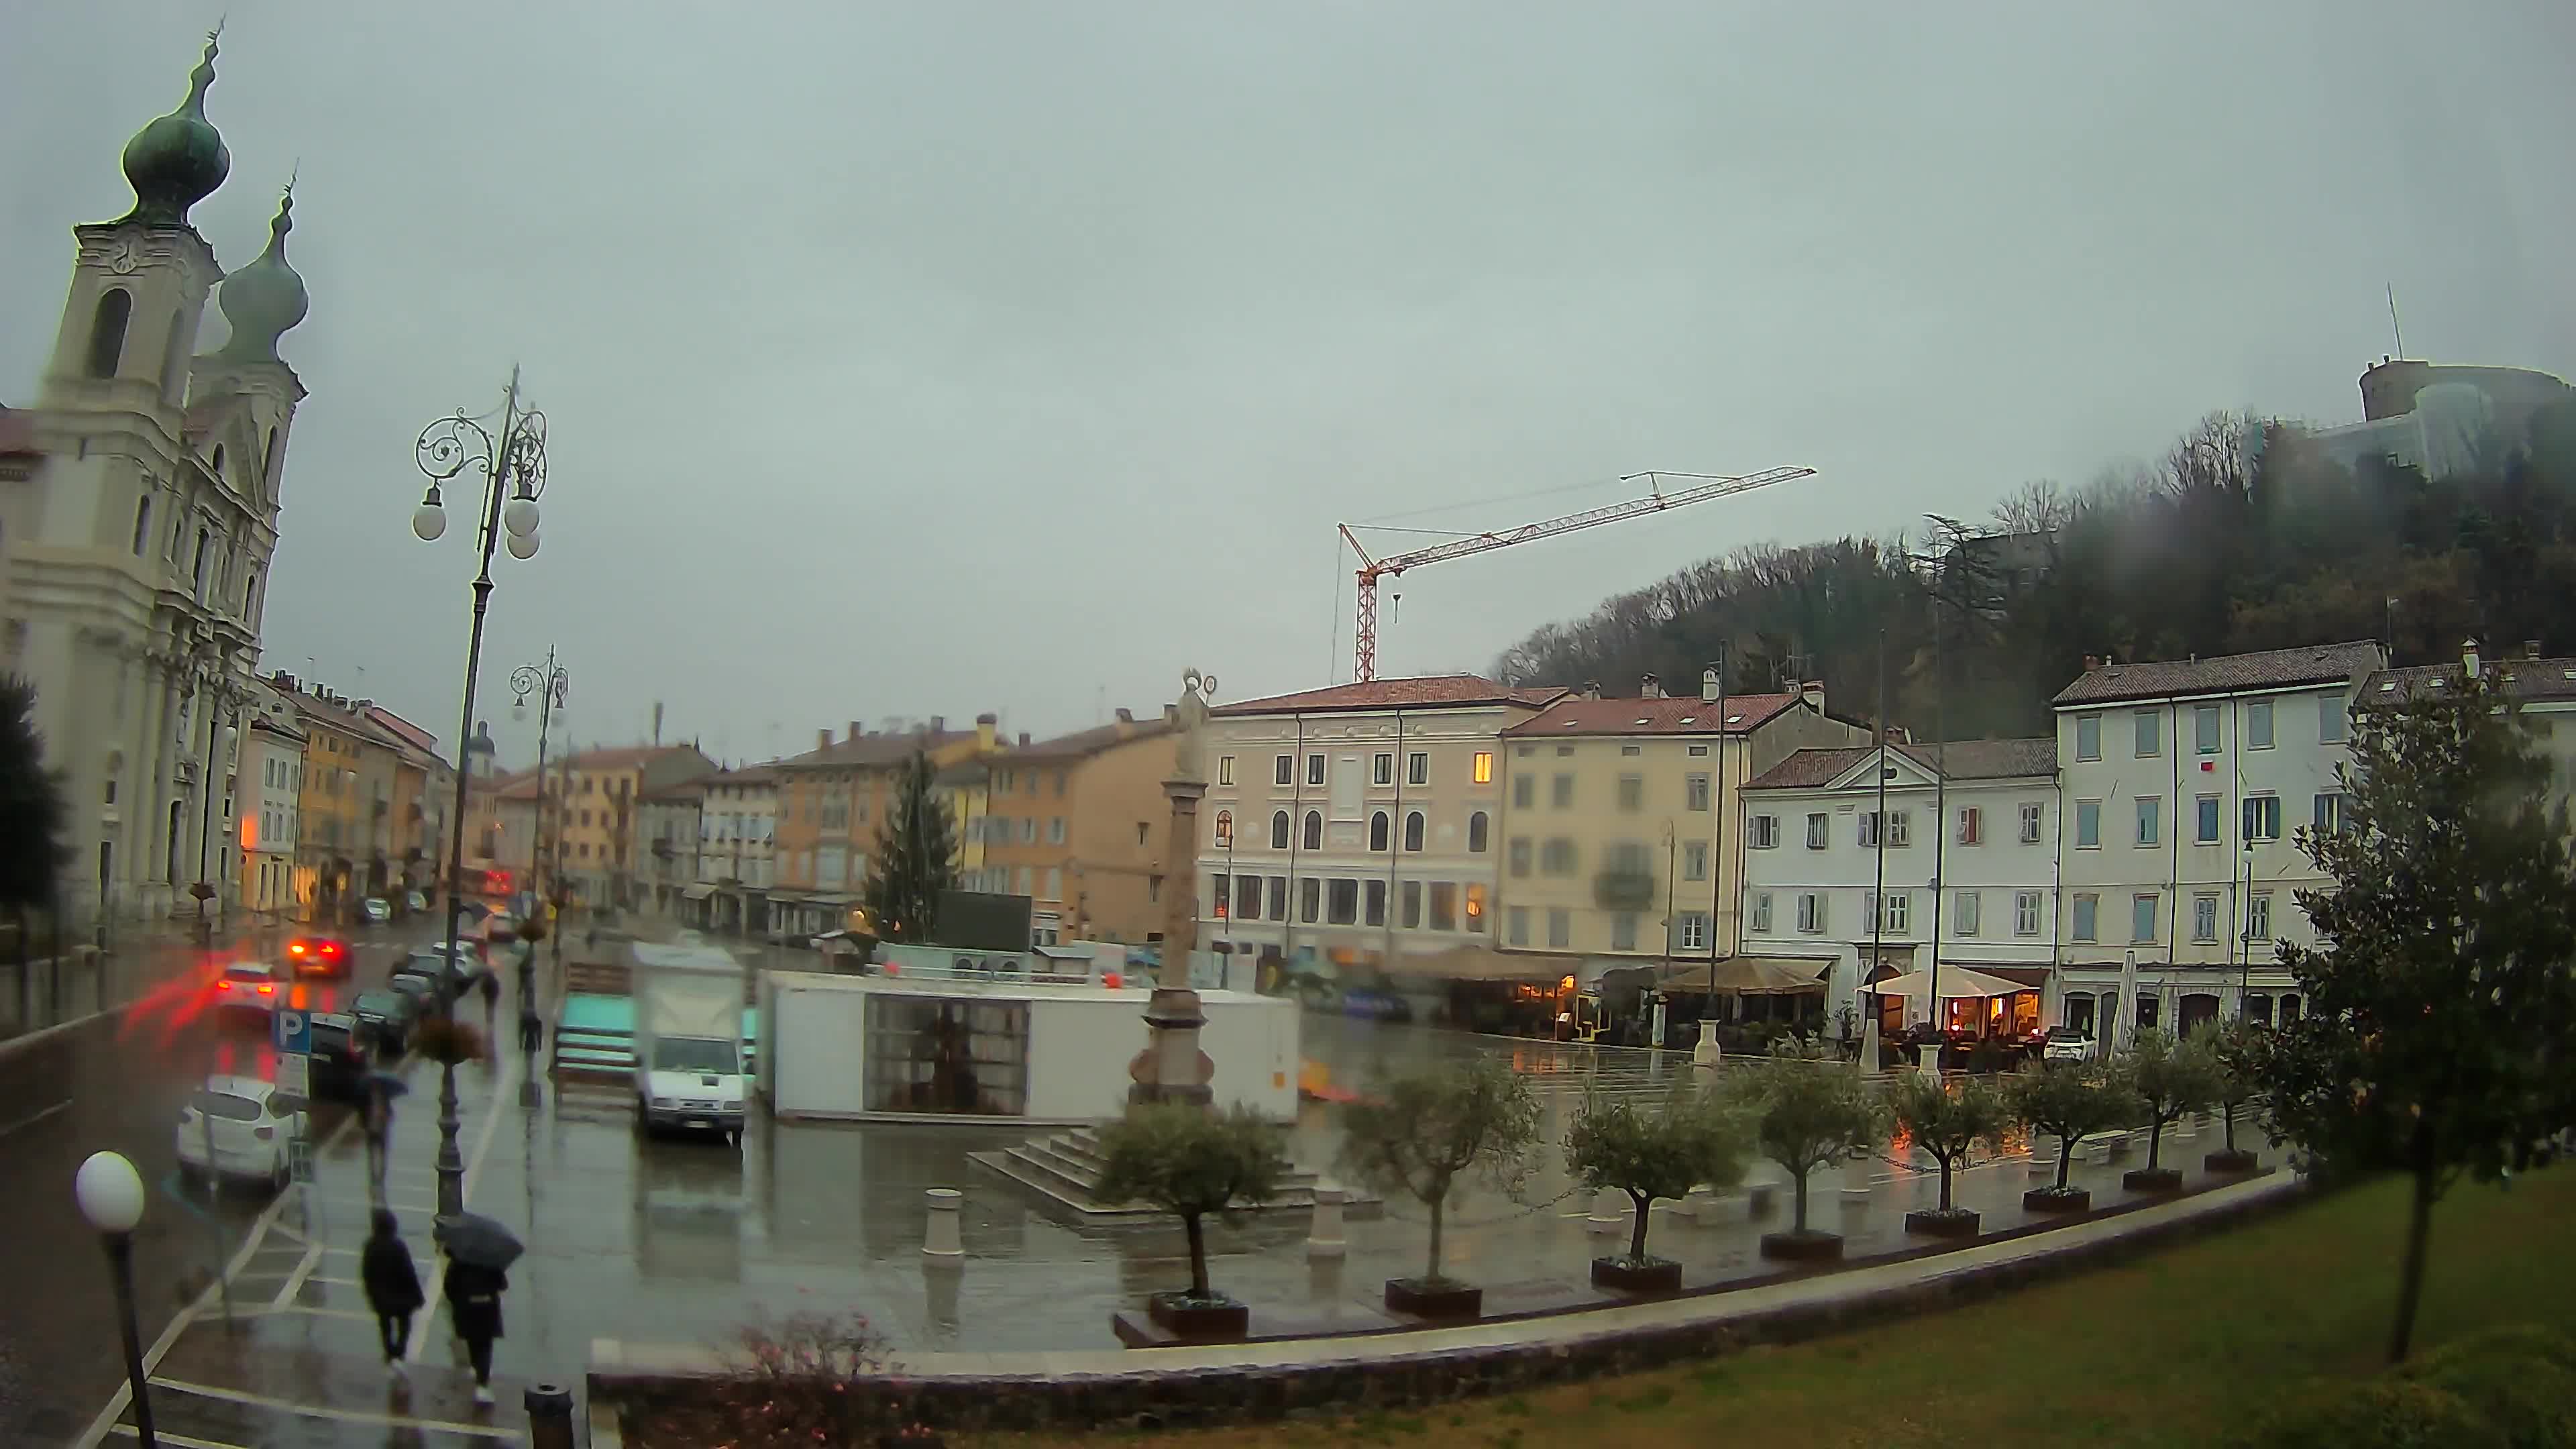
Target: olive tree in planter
[(2238, 1048), (1947, 1121), (2166, 1080), (1419, 1133), (1809, 1110), (1191, 1162), (1688, 1140), (2069, 1101)]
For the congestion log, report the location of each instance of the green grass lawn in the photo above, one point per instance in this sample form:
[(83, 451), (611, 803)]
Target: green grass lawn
[(2167, 1350)]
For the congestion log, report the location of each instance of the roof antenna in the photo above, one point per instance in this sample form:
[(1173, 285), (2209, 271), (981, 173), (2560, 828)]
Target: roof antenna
[(2398, 332)]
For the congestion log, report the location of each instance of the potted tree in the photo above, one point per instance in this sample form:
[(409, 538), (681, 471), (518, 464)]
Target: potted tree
[(2238, 1046), (2165, 1080), (1418, 1133), (1191, 1162), (1686, 1141), (2069, 1101), (1809, 1110), (1946, 1122)]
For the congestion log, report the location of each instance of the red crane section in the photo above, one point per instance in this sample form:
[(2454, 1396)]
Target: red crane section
[(1373, 569)]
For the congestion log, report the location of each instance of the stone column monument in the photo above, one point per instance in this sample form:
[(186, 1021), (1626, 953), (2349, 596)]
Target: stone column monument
[(1171, 1068)]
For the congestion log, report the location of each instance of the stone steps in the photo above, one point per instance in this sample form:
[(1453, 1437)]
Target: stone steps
[(1064, 1167)]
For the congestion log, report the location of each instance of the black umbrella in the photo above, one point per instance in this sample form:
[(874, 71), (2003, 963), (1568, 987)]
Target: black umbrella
[(474, 1238)]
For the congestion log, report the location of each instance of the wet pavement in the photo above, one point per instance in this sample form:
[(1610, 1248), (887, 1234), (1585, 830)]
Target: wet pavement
[(683, 1242), (113, 1081)]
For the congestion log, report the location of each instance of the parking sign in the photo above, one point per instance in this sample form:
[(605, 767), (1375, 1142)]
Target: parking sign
[(294, 1075), (291, 1030)]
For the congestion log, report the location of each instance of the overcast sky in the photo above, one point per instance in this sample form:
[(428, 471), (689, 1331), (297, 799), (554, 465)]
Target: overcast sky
[(941, 358)]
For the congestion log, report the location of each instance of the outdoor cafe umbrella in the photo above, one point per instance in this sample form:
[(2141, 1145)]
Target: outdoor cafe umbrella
[(474, 1238)]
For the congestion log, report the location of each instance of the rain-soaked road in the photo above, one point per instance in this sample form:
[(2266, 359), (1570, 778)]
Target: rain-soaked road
[(114, 1082)]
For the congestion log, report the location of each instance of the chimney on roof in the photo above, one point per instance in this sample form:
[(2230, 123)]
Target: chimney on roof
[(1592, 689), (2530, 648), (855, 731), (1813, 692), (2469, 657), (1709, 687), (1024, 739), (1650, 688), (822, 739), (986, 726), (2092, 662), (939, 724)]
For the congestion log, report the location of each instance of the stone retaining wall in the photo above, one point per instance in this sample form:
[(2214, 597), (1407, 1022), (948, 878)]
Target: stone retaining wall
[(1171, 1388)]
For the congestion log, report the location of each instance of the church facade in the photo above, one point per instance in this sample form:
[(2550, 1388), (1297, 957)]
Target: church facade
[(139, 505)]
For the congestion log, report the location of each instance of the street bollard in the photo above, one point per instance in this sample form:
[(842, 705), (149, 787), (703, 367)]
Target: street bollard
[(1610, 1209), (549, 1416), (1324, 1239), (941, 1239)]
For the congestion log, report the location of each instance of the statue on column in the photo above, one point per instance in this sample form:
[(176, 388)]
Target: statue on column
[(1189, 755)]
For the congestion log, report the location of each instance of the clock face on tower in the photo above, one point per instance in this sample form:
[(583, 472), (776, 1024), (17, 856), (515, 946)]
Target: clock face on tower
[(123, 257)]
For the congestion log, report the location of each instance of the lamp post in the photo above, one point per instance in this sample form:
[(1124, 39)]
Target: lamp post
[(547, 683), (111, 1198), (514, 476)]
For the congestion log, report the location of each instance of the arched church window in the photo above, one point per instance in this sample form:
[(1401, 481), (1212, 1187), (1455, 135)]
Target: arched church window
[(205, 541), (217, 466), (142, 523), (107, 331)]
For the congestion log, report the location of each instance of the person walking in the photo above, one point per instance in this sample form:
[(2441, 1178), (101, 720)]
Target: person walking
[(393, 1287), (376, 1121), (474, 1306), (490, 985)]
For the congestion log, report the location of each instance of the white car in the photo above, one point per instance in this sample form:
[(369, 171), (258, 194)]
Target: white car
[(238, 1127), (250, 985)]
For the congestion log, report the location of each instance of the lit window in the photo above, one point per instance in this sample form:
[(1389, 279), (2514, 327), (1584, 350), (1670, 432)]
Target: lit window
[(1484, 767)]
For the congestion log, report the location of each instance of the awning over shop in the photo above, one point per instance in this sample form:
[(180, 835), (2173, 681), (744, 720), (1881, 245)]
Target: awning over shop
[(1472, 962), (1768, 975), (1957, 983), (697, 892)]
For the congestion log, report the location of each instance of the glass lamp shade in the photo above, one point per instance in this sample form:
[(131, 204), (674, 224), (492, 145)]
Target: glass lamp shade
[(428, 521), (110, 1192), (523, 545), (519, 516)]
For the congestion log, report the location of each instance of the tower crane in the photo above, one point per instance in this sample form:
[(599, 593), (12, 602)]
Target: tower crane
[(1707, 486)]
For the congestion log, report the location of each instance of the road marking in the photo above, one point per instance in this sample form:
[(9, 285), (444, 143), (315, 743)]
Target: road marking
[(25, 1122), (101, 1426), (502, 1091), (181, 1440), (346, 1416), (276, 1309), (294, 1283)]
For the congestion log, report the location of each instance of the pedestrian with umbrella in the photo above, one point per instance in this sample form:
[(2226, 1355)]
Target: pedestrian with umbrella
[(479, 1253), (393, 1287)]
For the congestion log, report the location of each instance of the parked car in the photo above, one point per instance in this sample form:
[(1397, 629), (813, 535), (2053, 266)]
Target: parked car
[(418, 901), (340, 1065), (378, 910), (420, 991), (455, 972), (317, 956), (2066, 1044), (238, 1127), (384, 1018), (247, 986)]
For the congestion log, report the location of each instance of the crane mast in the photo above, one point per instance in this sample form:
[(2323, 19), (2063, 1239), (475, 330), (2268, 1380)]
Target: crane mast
[(1373, 569)]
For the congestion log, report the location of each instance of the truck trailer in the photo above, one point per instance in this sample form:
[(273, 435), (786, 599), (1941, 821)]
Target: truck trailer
[(688, 1039)]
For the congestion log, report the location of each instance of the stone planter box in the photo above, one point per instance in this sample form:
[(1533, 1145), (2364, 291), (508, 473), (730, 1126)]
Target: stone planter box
[(1445, 1298), (2050, 1200), (1652, 1275), (2238, 1160), (1201, 1320), (1811, 1246), (1932, 1222), (2152, 1179)]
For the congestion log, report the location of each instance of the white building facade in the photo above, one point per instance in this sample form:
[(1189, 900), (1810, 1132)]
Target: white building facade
[(1964, 868), (140, 525), (1309, 850), (736, 865), (2183, 785), (671, 829), (264, 802)]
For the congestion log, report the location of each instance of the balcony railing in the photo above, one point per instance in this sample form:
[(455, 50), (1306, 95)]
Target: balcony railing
[(1624, 890)]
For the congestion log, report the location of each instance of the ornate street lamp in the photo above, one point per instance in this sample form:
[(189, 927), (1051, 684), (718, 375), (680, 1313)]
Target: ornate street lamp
[(548, 683), (514, 477), (110, 1194)]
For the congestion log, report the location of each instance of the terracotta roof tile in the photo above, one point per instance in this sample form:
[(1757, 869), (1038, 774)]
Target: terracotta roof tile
[(871, 751), (2225, 674), (1432, 691), (1662, 716), (2524, 679), (1961, 759), (1083, 744)]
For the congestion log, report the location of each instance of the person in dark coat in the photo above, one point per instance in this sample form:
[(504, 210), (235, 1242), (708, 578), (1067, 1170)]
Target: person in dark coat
[(474, 1306), (393, 1287)]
